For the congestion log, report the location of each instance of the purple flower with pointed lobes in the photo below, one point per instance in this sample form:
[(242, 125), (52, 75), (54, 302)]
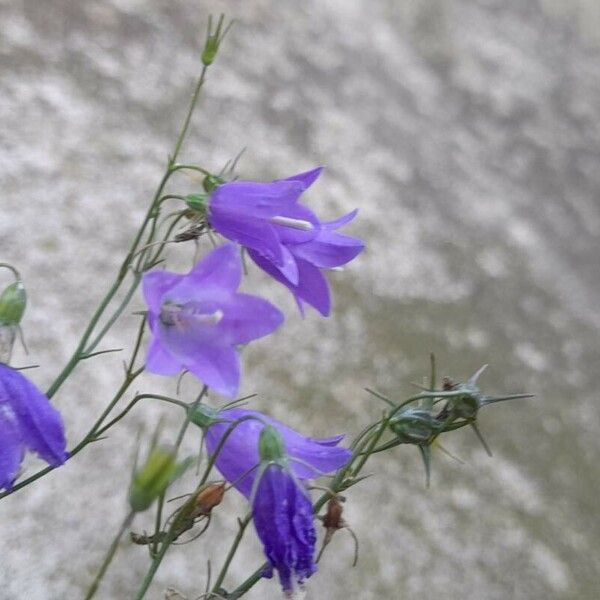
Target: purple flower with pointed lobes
[(283, 237), (283, 514), (27, 421), (309, 458), (198, 319)]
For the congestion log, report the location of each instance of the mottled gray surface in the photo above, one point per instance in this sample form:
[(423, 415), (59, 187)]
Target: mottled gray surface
[(468, 134)]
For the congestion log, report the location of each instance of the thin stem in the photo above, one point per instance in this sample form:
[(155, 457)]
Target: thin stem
[(243, 523), (188, 117), (111, 321), (158, 556), (109, 556)]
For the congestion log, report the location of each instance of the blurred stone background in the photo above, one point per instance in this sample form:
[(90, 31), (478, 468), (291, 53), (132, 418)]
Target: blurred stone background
[(468, 134)]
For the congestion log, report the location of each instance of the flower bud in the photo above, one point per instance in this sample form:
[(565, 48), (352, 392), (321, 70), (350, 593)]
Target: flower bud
[(155, 476), (209, 497), (270, 445), (213, 40), (12, 303)]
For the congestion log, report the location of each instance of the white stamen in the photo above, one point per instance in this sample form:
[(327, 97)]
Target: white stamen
[(293, 223), (210, 319), (337, 269)]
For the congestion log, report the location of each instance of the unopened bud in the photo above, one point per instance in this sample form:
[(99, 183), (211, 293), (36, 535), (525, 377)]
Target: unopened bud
[(155, 476), (213, 40), (13, 301), (209, 497)]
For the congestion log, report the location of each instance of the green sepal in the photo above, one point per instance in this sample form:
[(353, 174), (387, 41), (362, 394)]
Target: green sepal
[(197, 202), (203, 415), (271, 447)]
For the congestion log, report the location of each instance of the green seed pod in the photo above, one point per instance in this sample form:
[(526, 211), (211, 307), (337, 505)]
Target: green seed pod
[(415, 426)]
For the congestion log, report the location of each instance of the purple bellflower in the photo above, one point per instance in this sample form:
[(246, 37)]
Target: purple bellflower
[(308, 458), (283, 514), (27, 420), (198, 319), (283, 237)]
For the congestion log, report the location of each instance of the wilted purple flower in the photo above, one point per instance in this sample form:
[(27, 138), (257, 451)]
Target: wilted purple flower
[(283, 237), (308, 458), (27, 420), (198, 319), (283, 514)]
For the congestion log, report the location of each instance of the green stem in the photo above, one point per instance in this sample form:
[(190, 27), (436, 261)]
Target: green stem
[(243, 523), (109, 556), (188, 117), (158, 521)]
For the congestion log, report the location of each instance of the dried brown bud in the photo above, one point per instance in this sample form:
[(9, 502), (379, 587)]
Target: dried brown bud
[(209, 497), (333, 520)]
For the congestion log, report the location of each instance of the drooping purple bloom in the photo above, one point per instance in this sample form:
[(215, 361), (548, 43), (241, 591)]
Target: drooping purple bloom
[(283, 237), (27, 421), (308, 458), (198, 319), (284, 521)]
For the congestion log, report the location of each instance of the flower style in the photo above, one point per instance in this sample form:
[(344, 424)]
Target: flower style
[(283, 514), (27, 420), (283, 237), (198, 319), (308, 458)]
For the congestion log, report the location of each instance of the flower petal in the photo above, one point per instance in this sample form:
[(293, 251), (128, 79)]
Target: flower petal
[(311, 288), (251, 199), (155, 284), (252, 233), (341, 221), (270, 512), (329, 249), (40, 424), (159, 360), (284, 521), (216, 276), (11, 448), (307, 178), (247, 318), (330, 441), (217, 366), (289, 269)]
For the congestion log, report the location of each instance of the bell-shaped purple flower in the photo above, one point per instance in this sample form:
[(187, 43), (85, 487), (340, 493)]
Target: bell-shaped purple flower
[(198, 319), (308, 458), (283, 237), (283, 514), (27, 421)]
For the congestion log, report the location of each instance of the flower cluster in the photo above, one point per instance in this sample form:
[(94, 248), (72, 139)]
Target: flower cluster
[(199, 319)]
